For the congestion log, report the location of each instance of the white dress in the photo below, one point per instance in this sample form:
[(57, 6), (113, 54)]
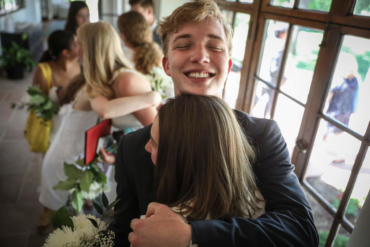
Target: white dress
[(67, 146), (55, 121), (127, 123)]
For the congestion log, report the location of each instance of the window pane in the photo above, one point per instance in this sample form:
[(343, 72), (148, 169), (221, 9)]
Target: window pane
[(228, 16), (360, 192), (331, 163), (263, 101), (241, 27), (246, 1), (319, 5), (342, 238), (273, 49), (283, 3), (348, 99), (288, 115), (323, 220), (303, 51), (362, 7)]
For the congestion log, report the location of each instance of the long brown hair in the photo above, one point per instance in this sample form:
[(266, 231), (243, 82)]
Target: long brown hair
[(204, 160), (136, 30)]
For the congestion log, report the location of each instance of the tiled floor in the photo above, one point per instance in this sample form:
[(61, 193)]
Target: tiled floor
[(19, 171)]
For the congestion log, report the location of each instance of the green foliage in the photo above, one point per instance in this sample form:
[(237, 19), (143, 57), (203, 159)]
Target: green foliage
[(15, 56), (66, 185), (61, 218), (363, 61), (86, 180), (322, 5), (362, 6), (77, 200), (353, 206), (40, 103), (340, 241)]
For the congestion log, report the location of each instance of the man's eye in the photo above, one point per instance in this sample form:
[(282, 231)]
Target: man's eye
[(216, 48)]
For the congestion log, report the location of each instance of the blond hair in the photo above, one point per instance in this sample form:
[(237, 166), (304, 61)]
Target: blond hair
[(102, 57), (208, 168), (193, 12), (136, 30)]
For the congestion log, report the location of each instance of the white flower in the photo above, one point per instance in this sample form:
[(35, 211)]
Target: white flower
[(83, 226), (95, 190), (64, 237)]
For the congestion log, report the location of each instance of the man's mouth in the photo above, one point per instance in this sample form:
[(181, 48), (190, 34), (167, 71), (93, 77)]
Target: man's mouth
[(199, 74)]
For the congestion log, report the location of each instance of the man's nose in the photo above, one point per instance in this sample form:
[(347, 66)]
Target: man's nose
[(200, 54)]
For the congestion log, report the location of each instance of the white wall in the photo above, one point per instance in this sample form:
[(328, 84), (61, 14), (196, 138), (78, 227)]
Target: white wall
[(165, 8), (30, 13)]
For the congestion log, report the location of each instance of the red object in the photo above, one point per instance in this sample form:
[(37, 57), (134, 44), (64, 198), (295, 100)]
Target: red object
[(92, 136)]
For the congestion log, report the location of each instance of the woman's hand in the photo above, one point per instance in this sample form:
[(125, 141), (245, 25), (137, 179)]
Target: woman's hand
[(107, 158), (156, 98)]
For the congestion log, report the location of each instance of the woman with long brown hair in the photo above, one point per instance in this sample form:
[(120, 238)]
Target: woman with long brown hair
[(203, 160)]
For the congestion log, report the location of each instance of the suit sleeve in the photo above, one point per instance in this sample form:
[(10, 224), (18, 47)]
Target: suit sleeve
[(127, 208), (288, 220)]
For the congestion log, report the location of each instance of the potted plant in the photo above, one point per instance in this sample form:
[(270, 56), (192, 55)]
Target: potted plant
[(15, 59)]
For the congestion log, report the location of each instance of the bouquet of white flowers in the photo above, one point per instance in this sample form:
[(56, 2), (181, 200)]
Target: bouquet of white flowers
[(82, 230), (161, 83)]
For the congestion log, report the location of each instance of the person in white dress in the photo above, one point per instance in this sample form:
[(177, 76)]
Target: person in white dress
[(204, 140), (110, 76), (69, 142)]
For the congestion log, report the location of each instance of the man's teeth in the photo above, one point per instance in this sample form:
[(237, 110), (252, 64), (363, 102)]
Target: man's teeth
[(198, 75)]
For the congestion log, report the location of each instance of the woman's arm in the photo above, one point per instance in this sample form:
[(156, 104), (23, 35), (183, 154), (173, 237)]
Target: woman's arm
[(121, 106), (39, 80), (130, 84)]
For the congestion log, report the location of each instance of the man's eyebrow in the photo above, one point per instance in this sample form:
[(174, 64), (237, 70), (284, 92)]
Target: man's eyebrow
[(213, 36), (151, 138), (184, 36)]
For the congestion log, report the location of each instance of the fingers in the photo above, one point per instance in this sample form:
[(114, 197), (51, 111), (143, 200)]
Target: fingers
[(132, 237), (154, 208), (107, 158)]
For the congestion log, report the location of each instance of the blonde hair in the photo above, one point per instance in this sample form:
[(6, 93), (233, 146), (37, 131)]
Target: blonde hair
[(136, 30), (102, 57), (193, 12), (208, 168)]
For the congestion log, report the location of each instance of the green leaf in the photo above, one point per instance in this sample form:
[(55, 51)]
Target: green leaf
[(61, 218), (72, 171), (65, 185), (98, 208), (37, 99), (77, 200), (105, 200), (108, 222), (86, 180), (112, 204), (80, 162), (101, 178), (33, 90), (93, 222), (48, 105), (108, 214)]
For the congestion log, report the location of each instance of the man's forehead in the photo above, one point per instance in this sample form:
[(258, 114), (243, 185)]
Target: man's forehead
[(186, 28)]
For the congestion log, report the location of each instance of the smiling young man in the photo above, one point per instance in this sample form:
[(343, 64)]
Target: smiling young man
[(197, 44)]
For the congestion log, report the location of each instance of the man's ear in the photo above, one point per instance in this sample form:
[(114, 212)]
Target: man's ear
[(230, 65), (166, 66)]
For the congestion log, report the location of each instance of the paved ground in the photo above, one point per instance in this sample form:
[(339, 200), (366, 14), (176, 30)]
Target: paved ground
[(19, 171)]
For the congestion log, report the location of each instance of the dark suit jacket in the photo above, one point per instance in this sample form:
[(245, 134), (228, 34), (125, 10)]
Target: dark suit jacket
[(288, 220)]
